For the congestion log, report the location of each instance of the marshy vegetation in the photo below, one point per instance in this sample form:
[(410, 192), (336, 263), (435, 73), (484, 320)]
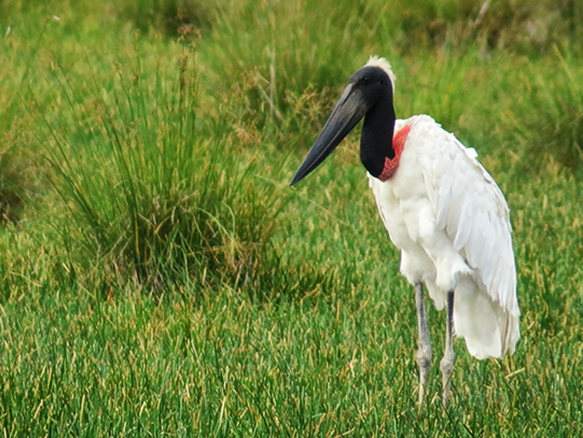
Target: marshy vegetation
[(158, 275)]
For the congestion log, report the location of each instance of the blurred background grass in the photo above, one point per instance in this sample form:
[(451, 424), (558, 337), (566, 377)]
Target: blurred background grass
[(159, 277)]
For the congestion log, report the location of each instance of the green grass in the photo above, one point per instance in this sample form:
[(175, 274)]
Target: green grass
[(158, 277)]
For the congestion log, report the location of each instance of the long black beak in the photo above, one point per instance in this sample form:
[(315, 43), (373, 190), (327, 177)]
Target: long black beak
[(346, 114)]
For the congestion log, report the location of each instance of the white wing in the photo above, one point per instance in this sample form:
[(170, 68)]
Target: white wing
[(470, 207)]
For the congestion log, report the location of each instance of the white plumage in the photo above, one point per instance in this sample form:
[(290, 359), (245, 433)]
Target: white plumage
[(448, 217)]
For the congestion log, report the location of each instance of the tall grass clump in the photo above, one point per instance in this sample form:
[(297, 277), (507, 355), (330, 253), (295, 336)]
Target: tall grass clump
[(149, 198)]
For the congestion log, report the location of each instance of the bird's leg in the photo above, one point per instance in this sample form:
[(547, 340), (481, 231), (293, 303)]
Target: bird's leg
[(446, 364), (424, 353)]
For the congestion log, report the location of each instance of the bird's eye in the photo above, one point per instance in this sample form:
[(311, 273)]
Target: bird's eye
[(382, 82), (365, 80)]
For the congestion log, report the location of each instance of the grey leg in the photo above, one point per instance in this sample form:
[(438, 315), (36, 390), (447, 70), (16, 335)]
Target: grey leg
[(424, 353), (446, 364)]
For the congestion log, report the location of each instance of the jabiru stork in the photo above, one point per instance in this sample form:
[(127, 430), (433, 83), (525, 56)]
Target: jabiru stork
[(442, 209)]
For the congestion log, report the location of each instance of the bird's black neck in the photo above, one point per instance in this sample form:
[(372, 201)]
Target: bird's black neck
[(376, 141)]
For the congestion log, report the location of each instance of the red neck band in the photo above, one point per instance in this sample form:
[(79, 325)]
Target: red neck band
[(391, 165)]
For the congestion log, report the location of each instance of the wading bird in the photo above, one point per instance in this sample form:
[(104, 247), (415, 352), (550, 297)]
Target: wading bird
[(442, 209)]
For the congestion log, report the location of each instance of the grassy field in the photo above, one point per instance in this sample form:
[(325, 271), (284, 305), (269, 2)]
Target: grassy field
[(158, 277)]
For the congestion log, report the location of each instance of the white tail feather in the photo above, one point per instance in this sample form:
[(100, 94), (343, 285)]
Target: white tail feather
[(488, 329)]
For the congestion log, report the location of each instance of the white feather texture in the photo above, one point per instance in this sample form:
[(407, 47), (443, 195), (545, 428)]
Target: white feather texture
[(451, 222)]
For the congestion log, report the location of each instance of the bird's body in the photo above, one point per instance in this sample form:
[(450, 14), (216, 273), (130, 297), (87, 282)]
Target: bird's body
[(450, 221), (442, 209)]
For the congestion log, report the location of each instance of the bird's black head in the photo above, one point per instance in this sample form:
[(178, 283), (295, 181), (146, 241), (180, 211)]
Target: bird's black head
[(369, 94), (373, 82)]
